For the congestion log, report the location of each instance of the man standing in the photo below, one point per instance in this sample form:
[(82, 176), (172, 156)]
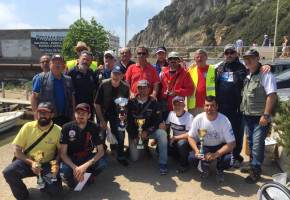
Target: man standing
[(240, 46), (106, 108), (81, 46), (84, 81), (105, 73), (229, 84), (44, 64), (266, 41), (24, 166), (219, 140), (259, 98), (78, 139), (145, 107), (142, 70), (161, 59), (125, 61), (57, 89), (203, 77)]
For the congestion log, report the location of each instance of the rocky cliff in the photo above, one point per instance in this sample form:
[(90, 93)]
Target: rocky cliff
[(213, 22)]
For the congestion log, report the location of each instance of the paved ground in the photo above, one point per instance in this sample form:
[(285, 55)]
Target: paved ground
[(142, 181)]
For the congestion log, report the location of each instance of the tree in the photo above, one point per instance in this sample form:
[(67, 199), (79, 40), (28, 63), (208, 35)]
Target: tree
[(92, 33)]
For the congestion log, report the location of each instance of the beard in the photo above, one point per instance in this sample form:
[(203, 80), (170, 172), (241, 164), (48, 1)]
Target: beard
[(84, 67), (44, 121)]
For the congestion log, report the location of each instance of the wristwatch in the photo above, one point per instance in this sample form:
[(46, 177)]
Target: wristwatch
[(266, 116), (93, 162)]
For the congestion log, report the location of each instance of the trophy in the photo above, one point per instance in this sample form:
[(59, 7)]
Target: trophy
[(202, 133), (168, 83), (140, 123), (53, 169), (37, 157), (121, 103)]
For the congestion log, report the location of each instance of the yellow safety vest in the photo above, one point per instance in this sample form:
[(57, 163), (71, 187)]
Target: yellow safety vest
[(73, 63), (210, 84)]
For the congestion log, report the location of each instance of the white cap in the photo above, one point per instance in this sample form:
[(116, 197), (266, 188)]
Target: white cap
[(112, 53)]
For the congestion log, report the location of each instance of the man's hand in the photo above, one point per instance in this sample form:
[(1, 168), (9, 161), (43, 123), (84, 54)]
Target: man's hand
[(79, 172), (265, 68), (101, 67), (35, 169), (172, 93), (132, 95), (263, 121), (171, 141), (153, 96), (103, 125), (144, 134), (211, 156)]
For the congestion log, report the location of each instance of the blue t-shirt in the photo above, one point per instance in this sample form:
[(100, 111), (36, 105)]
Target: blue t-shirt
[(107, 74), (158, 68), (266, 42), (59, 92)]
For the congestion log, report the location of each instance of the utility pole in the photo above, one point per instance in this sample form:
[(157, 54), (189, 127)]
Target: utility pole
[(126, 18), (275, 34), (80, 9)]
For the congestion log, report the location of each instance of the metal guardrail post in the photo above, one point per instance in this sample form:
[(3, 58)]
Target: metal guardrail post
[(3, 90), (26, 90)]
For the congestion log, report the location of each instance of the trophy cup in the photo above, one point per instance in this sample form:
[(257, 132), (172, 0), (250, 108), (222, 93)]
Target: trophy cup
[(53, 169), (37, 157), (121, 103), (202, 133), (168, 83), (140, 123)]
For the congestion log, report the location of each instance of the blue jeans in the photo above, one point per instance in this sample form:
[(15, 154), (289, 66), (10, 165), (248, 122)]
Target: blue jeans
[(120, 135), (256, 136), (225, 161), (161, 136), (180, 150), (67, 173), (18, 170)]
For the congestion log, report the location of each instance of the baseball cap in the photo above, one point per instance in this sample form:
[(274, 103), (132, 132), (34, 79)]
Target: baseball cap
[(45, 106), (178, 98), (112, 53), (83, 106), (173, 54), (251, 52), (143, 82), (57, 56), (160, 49), (230, 46), (117, 68)]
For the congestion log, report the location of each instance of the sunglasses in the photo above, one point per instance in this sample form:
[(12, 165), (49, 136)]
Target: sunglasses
[(230, 52), (80, 50), (142, 53), (173, 58)]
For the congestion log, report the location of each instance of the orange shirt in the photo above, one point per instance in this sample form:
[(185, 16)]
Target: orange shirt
[(201, 86)]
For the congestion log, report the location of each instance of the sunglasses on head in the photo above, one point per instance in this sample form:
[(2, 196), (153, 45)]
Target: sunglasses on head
[(80, 50), (142, 53), (230, 52)]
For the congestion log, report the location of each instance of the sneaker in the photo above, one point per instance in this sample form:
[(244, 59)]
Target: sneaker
[(71, 184), (124, 162), (154, 142), (253, 177), (237, 164), (162, 169), (246, 169), (220, 177), (91, 180), (181, 170), (204, 174)]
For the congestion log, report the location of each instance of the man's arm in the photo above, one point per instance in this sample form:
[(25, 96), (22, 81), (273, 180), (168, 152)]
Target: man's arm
[(193, 145), (34, 103), (270, 103), (99, 114), (65, 158), (155, 91), (225, 149)]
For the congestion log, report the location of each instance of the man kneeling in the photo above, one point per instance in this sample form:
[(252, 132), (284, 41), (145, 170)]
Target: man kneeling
[(219, 140), (78, 139)]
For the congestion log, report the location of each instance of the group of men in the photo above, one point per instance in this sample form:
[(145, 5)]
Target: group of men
[(217, 101)]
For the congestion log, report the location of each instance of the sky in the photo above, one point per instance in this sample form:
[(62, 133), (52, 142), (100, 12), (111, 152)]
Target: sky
[(39, 14)]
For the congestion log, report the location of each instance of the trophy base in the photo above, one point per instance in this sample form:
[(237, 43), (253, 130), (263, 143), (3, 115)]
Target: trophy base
[(140, 146), (40, 186), (121, 128), (200, 155)]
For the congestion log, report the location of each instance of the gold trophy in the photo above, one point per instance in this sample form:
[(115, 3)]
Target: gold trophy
[(202, 133), (140, 123), (168, 84), (53, 169), (37, 157)]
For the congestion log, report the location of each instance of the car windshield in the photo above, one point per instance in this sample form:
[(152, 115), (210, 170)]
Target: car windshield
[(284, 75)]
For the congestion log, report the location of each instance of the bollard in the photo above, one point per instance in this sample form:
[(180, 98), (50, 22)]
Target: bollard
[(3, 90), (26, 90)]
